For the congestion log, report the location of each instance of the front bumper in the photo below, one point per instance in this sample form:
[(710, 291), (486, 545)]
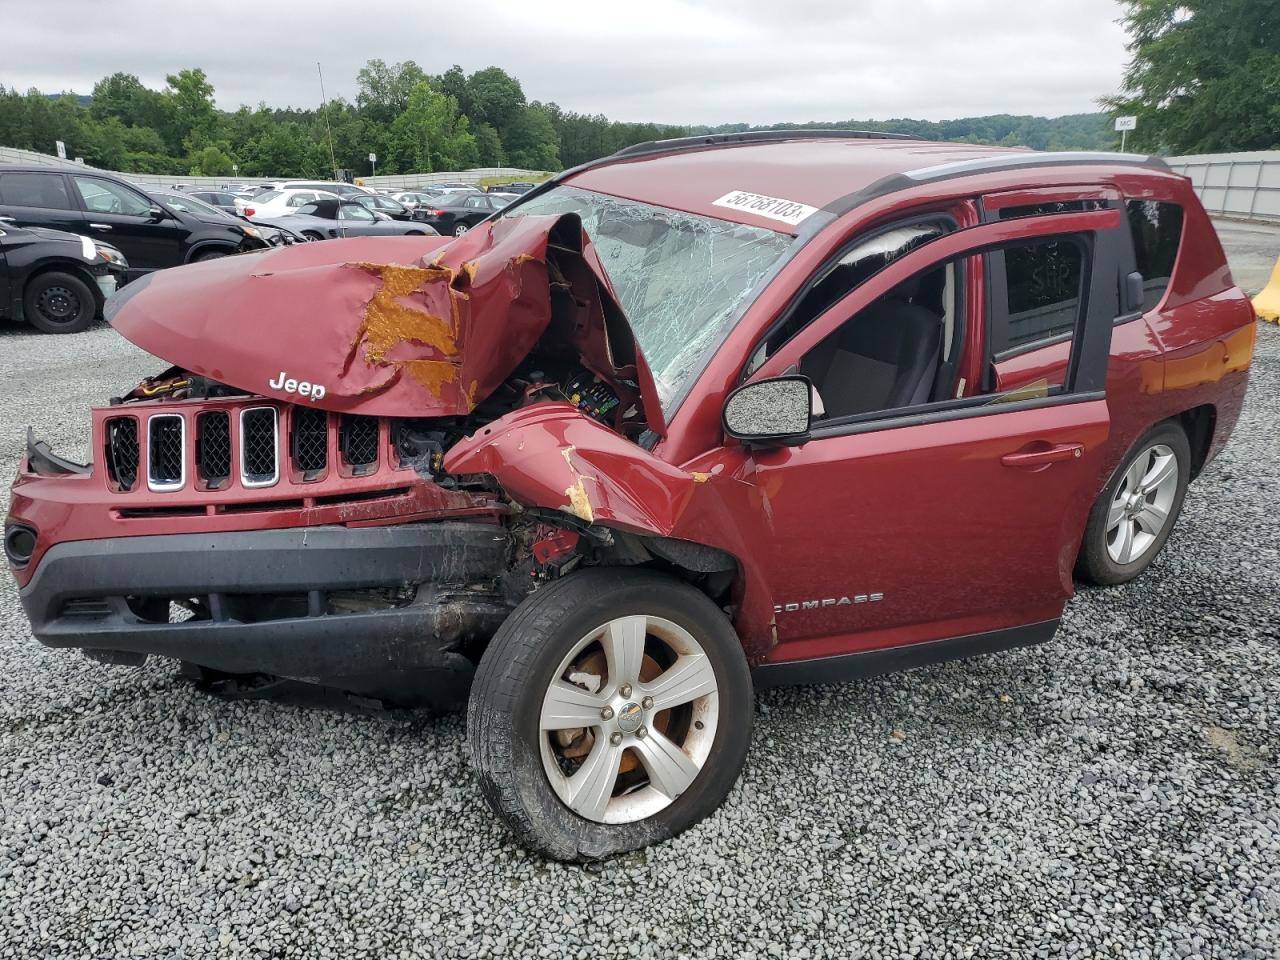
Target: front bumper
[(280, 602)]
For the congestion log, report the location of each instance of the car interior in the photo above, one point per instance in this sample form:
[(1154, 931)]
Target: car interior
[(902, 350)]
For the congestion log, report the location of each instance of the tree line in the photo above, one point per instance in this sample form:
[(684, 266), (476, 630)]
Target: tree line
[(413, 121)]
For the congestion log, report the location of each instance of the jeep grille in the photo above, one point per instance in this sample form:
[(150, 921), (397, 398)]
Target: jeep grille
[(213, 447), (166, 444), (122, 452), (309, 440), (259, 441), (358, 437)]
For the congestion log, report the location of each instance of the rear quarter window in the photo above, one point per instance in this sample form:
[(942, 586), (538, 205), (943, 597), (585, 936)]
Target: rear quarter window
[(45, 190), (1042, 287), (1157, 234)]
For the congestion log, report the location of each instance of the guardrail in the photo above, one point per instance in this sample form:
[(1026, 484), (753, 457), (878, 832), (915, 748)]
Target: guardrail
[(402, 182), (1244, 185)]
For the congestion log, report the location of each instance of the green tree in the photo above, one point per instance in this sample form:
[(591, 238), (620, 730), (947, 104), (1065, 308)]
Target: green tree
[(384, 90), (210, 162), (431, 135), (194, 116), (1205, 75), (531, 141)]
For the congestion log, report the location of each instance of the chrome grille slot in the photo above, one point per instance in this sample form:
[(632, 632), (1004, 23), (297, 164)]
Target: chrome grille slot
[(213, 447), (122, 451), (309, 441), (166, 452), (259, 447), (358, 439)]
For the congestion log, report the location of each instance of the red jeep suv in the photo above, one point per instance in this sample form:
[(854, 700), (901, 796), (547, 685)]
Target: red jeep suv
[(748, 409)]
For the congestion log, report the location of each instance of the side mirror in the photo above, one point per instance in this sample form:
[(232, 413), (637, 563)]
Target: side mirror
[(778, 410), (157, 212)]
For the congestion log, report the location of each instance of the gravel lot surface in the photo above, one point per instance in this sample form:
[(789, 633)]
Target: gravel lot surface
[(1113, 793)]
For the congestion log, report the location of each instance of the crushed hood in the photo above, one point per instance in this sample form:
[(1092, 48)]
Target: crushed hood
[(388, 326)]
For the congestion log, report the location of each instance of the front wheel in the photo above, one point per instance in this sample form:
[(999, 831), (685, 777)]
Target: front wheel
[(1134, 515), (612, 710), (58, 303)]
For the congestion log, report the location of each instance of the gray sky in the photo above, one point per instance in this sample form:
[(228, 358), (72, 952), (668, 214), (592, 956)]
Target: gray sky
[(676, 61)]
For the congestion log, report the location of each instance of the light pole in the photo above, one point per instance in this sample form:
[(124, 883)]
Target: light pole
[(373, 162)]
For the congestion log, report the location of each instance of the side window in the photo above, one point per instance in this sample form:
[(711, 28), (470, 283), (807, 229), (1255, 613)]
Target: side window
[(1040, 289), (898, 351), (1157, 233), (103, 196), (46, 190), (854, 267), (353, 211)]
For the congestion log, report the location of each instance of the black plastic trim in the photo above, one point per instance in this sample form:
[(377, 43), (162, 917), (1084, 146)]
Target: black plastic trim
[(675, 144), (871, 663), (897, 182)]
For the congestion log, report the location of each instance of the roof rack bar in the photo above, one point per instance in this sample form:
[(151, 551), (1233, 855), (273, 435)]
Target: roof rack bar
[(752, 136)]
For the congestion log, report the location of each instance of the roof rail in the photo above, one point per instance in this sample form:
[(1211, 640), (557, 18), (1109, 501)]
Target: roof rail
[(752, 136)]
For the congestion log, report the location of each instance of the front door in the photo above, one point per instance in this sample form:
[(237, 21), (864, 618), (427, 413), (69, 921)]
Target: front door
[(926, 505)]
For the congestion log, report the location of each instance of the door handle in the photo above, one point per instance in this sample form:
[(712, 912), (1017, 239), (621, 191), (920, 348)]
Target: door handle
[(99, 226), (1038, 459)]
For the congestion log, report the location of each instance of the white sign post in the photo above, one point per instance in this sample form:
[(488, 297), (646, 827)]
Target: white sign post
[(62, 149), (373, 159), (1123, 126)]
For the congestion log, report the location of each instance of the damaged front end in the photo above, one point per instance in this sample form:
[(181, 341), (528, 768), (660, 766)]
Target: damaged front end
[(283, 501)]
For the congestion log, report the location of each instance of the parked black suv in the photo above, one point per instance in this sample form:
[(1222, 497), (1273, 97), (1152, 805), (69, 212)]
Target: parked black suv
[(54, 280), (106, 208)]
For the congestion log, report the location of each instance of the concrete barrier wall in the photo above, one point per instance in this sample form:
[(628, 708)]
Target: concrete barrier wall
[(155, 180), (1244, 185)]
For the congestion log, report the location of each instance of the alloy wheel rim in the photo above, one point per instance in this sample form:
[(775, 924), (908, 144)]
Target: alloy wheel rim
[(1142, 504), (58, 304), (460, 229), (621, 744)]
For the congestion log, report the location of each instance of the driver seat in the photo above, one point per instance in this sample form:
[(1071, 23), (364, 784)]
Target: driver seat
[(884, 359)]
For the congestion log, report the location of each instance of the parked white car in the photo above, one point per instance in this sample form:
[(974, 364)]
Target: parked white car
[(279, 203)]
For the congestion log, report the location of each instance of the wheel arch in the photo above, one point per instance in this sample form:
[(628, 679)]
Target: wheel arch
[(1199, 423), (201, 247)]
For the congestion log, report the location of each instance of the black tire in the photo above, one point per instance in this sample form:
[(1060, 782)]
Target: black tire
[(312, 235), (56, 302), (1095, 563), (460, 229), (514, 674), (211, 255)]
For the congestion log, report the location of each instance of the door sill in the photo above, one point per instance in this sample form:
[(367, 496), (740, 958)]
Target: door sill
[(871, 663)]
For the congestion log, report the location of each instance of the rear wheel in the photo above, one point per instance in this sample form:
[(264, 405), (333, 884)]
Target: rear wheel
[(612, 710), (57, 302), (460, 229), (1133, 517)]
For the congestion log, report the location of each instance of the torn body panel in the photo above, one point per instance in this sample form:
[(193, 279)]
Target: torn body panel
[(392, 326), (555, 457)]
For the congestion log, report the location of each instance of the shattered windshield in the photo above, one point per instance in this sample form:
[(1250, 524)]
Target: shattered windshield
[(682, 280)]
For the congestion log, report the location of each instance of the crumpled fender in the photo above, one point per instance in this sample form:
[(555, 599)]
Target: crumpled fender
[(553, 455)]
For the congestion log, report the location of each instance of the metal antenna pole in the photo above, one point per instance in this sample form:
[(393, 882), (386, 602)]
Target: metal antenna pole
[(324, 104)]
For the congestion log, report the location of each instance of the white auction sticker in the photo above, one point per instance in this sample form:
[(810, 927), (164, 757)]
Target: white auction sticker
[(775, 208)]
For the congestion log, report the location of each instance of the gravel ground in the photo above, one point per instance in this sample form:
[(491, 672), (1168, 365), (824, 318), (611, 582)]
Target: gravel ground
[(1113, 793)]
